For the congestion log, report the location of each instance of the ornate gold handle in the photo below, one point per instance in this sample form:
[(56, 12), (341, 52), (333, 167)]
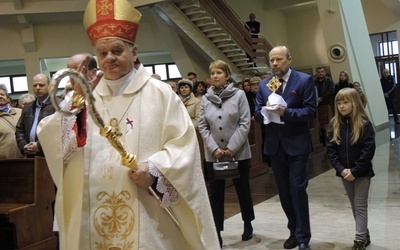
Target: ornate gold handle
[(128, 159)]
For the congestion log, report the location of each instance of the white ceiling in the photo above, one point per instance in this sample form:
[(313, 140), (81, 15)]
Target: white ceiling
[(26, 12)]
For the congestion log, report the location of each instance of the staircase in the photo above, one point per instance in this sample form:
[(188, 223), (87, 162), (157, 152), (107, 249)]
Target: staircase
[(213, 29), (208, 25)]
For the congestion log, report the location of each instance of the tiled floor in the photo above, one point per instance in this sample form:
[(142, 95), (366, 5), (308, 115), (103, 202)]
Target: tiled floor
[(332, 223)]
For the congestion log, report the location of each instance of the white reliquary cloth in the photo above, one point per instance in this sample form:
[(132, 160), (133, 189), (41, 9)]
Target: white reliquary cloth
[(274, 102)]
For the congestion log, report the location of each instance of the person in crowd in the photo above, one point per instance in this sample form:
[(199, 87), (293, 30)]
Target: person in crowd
[(325, 88), (32, 114), (191, 103), (344, 81), (8, 119), (11, 101), (68, 88), (253, 25), (199, 89), (156, 76), (239, 85), (389, 91), (208, 82), (246, 86), (254, 84), (288, 141), (174, 85), (363, 97), (224, 126), (101, 203), (90, 68), (351, 156), (192, 77), (25, 99), (265, 76), (251, 95), (246, 78), (326, 92)]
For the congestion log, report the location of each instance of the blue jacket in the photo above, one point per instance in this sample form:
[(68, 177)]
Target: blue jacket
[(301, 98)]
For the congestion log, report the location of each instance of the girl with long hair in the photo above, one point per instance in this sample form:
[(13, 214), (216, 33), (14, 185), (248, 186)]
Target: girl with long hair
[(351, 148)]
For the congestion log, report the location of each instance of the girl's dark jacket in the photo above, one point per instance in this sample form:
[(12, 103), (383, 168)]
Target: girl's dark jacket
[(357, 157)]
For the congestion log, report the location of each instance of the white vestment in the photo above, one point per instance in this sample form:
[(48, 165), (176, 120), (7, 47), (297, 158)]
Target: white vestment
[(97, 205)]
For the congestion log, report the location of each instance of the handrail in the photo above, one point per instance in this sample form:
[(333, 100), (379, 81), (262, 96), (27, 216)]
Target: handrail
[(235, 26), (241, 37), (265, 41), (234, 19)]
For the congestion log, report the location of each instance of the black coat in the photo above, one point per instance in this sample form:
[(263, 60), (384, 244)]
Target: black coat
[(389, 86), (25, 123), (255, 25), (356, 157)]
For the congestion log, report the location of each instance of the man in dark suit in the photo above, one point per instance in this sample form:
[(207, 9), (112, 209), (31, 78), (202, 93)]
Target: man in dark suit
[(289, 144), (389, 90), (32, 114), (253, 25)]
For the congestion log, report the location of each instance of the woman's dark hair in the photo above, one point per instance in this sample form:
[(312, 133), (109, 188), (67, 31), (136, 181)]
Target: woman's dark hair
[(200, 83)]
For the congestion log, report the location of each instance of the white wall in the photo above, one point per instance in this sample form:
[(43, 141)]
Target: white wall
[(306, 39), (301, 31), (273, 24)]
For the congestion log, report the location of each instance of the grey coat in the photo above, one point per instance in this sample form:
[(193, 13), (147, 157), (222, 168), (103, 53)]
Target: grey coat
[(225, 123)]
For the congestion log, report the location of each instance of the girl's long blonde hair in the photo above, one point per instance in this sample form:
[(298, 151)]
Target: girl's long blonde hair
[(357, 117)]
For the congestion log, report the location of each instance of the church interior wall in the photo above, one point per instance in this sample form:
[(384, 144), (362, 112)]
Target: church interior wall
[(300, 30)]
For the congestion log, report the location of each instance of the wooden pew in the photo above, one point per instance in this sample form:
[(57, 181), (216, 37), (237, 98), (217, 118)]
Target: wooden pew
[(27, 193)]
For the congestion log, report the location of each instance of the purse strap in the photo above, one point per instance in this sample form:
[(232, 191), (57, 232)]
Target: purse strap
[(233, 159)]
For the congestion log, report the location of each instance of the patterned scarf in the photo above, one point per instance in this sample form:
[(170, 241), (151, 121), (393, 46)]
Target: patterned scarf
[(184, 99), (6, 108), (218, 90)]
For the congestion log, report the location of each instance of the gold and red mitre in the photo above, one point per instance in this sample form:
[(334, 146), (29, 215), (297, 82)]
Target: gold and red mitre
[(111, 19)]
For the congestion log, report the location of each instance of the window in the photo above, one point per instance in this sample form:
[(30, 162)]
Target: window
[(6, 81), (173, 71), (14, 84), (388, 48), (167, 71), (149, 69), (19, 83)]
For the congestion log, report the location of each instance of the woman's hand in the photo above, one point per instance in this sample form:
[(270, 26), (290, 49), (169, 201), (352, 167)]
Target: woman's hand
[(229, 153), (218, 153), (348, 175), (344, 172)]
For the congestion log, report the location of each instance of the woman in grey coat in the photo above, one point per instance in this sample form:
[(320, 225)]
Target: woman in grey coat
[(224, 125)]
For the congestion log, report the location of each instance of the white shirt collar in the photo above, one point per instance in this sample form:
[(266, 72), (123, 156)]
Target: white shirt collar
[(287, 75), (117, 87)]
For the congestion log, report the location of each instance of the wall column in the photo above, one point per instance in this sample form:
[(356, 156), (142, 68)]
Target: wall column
[(32, 67), (349, 48)]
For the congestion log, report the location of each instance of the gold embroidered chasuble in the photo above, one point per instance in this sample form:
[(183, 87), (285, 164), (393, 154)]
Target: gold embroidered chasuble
[(98, 206)]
